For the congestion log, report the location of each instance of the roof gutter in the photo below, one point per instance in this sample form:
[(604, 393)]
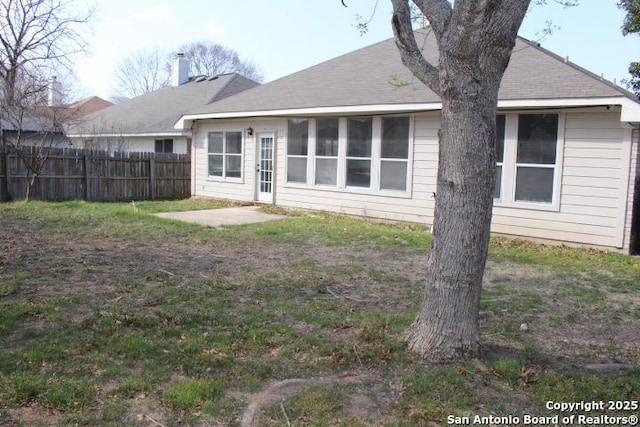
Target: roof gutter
[(178, 132), (185, 121), (630, 109)]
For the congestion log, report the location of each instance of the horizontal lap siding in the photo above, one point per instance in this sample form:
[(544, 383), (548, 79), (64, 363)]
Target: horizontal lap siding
[(425, 154), (541, 231), (148, 144), (593, 191), (598, 140), (355, 204), (416, 208), (245, 190), (592, 187)]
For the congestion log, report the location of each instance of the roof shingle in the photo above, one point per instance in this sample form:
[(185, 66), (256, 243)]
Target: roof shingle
[(156, 112), (374, 75)]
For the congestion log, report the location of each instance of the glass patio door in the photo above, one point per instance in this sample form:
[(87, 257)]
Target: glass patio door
[(265, 167)]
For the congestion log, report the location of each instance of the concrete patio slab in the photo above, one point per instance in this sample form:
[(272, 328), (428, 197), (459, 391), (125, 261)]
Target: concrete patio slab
[(221, 217)]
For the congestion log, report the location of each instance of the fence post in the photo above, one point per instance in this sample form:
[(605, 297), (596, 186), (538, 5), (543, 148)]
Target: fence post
[(152, 177), (86, 176), (7, 174)]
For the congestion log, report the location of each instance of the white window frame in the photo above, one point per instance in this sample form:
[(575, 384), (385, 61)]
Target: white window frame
[(375, 159), (308, 157), (408, 160), (510, 164), (316, 157), (375, 125), (501, 162), (224, 155)]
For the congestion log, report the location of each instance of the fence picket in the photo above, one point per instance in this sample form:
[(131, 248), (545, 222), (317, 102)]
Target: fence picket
[(96, 175)]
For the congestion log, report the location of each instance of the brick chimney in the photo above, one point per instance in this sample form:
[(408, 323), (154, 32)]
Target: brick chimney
[(179, 70), (55, 93)]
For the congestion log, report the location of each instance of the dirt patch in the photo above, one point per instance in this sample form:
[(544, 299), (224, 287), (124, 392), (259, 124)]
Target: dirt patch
[(592, 330), (32, 416), (279, 391), (142, 412), (574, 318)]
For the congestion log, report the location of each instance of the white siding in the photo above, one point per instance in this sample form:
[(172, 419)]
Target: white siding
[(245, 188), (140, 144), (594, 167), (417, 207), (148, 144), (593, 198)]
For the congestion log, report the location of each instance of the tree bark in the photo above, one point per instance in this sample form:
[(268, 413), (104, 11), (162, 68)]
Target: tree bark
[(30, 181), (475, 39), (447, 326)]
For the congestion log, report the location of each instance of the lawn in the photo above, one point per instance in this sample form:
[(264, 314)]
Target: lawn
[(110, 316)]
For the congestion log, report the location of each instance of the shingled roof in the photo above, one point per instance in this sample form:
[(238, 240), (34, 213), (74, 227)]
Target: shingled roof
[(88, 105), (374, 75), (156, 112)]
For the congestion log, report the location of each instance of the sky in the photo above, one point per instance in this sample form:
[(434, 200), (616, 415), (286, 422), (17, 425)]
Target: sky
[(286, 36)]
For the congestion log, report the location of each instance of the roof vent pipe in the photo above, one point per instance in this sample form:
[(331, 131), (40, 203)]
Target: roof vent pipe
[(179, 70)]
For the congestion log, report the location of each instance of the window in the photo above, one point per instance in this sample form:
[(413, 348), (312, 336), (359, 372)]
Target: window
[(536, 157), (225, 154), (164, 146), (297, 150), (359, 137), (356, 154), (327, 151), (500, 129), (394, 156), (528, 150)]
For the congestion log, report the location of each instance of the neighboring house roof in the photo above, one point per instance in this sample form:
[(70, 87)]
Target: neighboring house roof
[(155, 113), (89, 105), (45, 118), (375, 76), (41, 119)]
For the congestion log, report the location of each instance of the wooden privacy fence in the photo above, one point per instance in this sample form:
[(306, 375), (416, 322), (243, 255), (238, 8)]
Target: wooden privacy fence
[(96, 175)]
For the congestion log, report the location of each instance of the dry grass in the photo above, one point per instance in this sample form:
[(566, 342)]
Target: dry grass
[(114, 317)]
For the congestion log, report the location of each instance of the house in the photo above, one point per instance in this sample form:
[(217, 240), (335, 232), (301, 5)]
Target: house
[(75, 110), (41, 126), (358, 135), (44, 124), (87, 105), (145, 123)]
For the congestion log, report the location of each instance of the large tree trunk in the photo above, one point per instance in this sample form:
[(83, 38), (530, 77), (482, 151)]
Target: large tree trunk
[(447, 327), (475, 39)]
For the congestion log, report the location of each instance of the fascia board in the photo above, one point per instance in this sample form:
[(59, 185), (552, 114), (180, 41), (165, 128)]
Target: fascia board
[(125, 135), (630, 109)]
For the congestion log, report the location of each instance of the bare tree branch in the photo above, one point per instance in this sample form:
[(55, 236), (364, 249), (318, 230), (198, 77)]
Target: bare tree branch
[(410, 53), (143, 71), (210, 59), (39, 35), (146, 70), (438, 12), (31, 129)]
